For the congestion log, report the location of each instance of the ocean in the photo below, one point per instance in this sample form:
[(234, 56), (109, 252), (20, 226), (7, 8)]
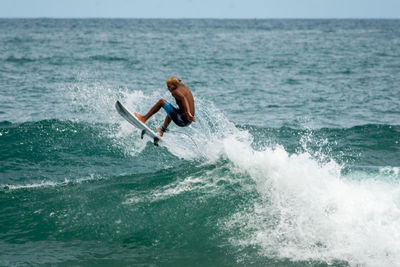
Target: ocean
[(293, 161)]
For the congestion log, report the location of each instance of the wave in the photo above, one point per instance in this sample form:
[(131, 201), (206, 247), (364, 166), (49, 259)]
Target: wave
[(307, 207), (363, 145), (282, 191), (287, 205), (48, 137), (369, 147), (309, 210), (369, 136), (45, 184)]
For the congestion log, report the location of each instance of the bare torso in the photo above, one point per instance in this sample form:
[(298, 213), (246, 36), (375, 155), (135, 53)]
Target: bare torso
[(183, 90)]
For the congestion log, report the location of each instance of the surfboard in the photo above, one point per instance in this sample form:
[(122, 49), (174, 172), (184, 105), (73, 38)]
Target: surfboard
[(127, 115)]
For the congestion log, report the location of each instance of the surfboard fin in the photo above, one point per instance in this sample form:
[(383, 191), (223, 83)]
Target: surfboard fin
[(143, 132), (156, 141)]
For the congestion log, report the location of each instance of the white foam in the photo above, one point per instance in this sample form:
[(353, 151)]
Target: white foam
[(95, 103), (206, 184), (306, 211), (203, 138), (44, 184), (391, 172), (27, 186), (167, 191), (309, 211)]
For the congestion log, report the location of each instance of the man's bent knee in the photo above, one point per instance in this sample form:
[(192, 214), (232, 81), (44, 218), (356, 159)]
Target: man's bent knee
[(162, 101)]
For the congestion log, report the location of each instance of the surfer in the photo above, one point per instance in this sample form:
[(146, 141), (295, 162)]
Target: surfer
[(183, 115)]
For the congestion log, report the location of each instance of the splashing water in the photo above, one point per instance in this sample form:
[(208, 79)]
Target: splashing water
[(306, 208)]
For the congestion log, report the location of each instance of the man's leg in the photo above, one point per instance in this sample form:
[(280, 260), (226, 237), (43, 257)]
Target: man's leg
[(152, 111), (167, 121)]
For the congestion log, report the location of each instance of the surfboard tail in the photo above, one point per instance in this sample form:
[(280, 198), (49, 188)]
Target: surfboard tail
[(132, 119)]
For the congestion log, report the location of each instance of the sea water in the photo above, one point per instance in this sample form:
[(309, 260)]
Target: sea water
[(293, 161)]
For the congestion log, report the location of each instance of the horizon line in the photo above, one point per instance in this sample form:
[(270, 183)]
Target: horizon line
[(213, 18)]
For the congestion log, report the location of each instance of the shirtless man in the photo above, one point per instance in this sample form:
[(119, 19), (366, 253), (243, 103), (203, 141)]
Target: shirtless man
[(182, 116)]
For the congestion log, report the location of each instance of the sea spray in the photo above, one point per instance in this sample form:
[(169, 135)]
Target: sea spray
[(308, 211)]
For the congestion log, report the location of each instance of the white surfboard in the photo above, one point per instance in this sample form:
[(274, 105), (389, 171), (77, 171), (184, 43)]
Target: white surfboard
[(127, 115)]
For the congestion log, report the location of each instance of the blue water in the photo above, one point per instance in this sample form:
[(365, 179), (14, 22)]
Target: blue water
[(293, 161)]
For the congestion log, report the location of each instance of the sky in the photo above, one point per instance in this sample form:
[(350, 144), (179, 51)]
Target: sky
[(200, 8)]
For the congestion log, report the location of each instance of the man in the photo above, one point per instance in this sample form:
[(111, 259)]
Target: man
[(182, 116)]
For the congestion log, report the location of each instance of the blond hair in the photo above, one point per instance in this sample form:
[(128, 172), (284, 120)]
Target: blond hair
[(173, 81)]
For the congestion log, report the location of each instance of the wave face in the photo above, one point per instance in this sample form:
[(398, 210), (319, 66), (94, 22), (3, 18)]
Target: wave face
[(293, 161), (38, 148)]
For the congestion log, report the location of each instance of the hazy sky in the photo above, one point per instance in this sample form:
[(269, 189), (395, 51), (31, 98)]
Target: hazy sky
[(201, 8)]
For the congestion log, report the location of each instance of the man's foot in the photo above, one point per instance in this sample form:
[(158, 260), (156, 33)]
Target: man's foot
[(140, 117), (159, 131)]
